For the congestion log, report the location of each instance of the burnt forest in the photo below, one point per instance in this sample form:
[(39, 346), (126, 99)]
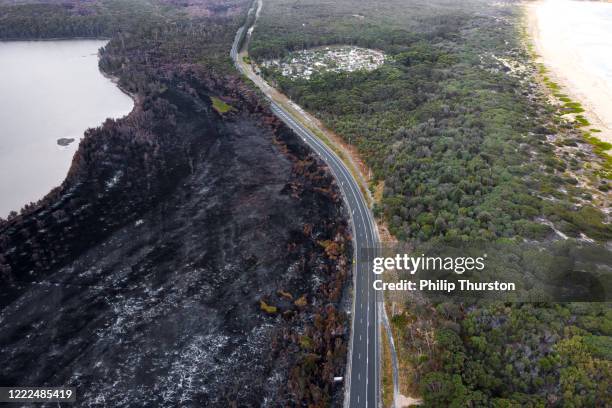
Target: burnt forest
[(197, 253)]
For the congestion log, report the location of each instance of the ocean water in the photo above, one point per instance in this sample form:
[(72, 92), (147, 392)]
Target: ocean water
[(584, 29), (48, 90), (588, 27)]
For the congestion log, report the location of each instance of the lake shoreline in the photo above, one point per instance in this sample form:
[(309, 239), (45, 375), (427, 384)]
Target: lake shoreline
[(6, 40), (564, 68), (115, 81), (41, 156)]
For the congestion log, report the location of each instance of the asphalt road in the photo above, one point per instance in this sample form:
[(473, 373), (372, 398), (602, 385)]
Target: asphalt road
[(364, 359), (363, 377)]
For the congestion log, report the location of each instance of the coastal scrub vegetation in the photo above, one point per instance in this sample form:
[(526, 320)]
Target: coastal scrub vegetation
[(466, 148), (442, 125)]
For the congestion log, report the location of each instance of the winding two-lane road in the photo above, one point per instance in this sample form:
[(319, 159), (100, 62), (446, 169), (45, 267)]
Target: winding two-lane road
[(363, 376), (364, 340)]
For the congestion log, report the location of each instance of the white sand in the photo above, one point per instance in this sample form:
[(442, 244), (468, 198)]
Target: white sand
[(403, 401), (574, 41)]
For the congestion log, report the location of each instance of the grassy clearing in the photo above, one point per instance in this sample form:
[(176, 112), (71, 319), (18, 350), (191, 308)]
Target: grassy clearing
[(582, 121), (220, 106), (601, 148), (571, 107)]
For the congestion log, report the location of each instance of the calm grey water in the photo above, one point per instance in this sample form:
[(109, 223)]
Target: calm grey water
[(48, 90)]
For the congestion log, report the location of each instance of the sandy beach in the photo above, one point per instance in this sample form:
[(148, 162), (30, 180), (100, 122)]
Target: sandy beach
[(574, 41)]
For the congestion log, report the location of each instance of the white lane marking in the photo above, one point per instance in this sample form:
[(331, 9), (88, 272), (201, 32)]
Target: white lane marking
[(342, 169), (335, 160)]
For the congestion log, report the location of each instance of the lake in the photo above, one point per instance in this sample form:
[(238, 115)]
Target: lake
[(49, 90)]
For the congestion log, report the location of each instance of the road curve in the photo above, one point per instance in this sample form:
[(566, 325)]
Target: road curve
[(363, 374)]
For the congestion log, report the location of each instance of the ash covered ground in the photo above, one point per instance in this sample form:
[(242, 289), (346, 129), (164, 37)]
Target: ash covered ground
[(166, 310)]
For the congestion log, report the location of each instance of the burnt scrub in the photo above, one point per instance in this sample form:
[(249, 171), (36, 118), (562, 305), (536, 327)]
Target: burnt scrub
[(169, 303), (192, 257)]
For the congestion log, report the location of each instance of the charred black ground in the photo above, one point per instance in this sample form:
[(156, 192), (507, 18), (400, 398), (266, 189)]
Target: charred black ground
[(192, 257)]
